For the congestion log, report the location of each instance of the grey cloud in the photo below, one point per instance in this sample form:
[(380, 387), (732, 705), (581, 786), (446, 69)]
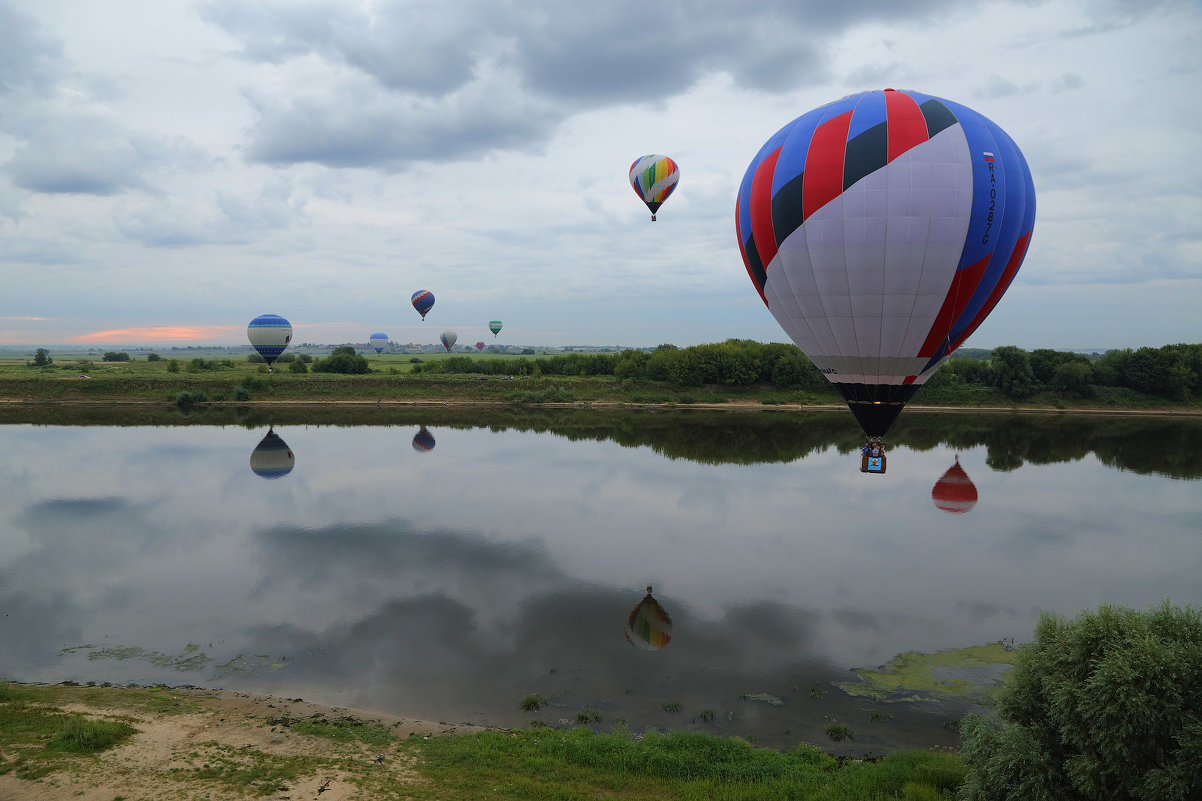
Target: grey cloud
[(1067, 82), (27, 57), (462, 80)]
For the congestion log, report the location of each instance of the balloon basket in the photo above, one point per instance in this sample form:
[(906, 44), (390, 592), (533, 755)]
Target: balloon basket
[(872, 464), (652, 218)]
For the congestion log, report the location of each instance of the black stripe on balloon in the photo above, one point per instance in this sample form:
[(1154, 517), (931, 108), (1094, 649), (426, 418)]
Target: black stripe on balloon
[(755, 264), (876, 406), (937, 115), (786, 208), (867, 152)]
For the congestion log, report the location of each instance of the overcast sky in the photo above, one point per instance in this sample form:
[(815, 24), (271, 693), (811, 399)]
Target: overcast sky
[(170, 170)]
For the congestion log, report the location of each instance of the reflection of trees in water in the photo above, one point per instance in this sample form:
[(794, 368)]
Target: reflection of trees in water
[(1170, 446)]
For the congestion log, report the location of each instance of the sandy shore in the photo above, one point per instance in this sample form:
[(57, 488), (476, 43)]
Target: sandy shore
[(219, 722)]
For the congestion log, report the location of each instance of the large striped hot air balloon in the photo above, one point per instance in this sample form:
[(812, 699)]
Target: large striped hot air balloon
[(448, 339), (648, 625), (269, 334), (954, 492), (423, 301), (654, 178), (272, 458), (880, 230), (495, 327)]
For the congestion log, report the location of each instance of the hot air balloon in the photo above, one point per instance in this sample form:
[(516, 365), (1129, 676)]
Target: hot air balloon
[(880, 230), (954, 492), (272, 458), (479, 346), (448, 339), (654, 178), (648, 626), (495, 327), (378, 341), (423, 300), (270, 334), (423, 441)]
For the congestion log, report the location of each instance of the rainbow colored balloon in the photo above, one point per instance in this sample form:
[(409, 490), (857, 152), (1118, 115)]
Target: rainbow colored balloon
[(648, 625), (654, 178)]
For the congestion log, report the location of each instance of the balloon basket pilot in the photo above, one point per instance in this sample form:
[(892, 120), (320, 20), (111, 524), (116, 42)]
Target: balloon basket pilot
[(872, 457)]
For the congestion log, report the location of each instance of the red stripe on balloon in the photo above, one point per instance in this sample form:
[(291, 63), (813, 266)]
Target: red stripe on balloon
[(958, 296), (1016, 259), (823, 174), (760, 208), (907, 126)]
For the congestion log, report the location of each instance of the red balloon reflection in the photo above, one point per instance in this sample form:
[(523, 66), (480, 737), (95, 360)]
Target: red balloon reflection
[(954, 492)]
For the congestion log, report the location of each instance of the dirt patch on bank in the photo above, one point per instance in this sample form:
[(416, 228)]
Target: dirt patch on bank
[(231, 730)]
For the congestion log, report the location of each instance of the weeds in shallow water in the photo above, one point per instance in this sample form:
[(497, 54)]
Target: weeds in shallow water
[(588, 716), (706, 716), (839, 732), (671, 706), (533, 703)]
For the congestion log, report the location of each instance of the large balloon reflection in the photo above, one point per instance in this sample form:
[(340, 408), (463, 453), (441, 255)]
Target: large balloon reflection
[(954, 492), (272, 458), (648, 626), (423, 441)]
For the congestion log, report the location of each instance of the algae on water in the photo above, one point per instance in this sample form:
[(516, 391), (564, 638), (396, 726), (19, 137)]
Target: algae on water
[(969, 674)]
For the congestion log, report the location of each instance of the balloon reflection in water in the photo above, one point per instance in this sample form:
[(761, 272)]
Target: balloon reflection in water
[(648, 627), (954, 492), (423, 441), (272, 458)]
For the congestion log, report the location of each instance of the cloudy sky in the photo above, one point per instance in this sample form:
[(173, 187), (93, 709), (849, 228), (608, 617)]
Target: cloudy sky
[(170, 169)]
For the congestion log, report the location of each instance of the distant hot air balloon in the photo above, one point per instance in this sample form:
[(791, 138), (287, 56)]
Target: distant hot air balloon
[(448, 339), (423, 441), (954, 492), (272, 458), (423, 300), (880, 230), (495, 327), (654, 178), (378, 341), (648, 625), (479, 346), (270, 334)]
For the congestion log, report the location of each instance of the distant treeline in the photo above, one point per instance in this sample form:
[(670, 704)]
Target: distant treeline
[(1172, 372)]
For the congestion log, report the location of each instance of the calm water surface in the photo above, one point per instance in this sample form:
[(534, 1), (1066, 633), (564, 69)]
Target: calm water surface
[(448, 574)]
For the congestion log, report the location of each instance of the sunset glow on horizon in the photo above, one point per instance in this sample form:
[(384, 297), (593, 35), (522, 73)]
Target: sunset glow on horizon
[(164, 333)]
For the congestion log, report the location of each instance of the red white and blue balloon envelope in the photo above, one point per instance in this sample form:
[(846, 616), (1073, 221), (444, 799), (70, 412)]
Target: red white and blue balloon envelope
[(272, 458), (880, 230), (954, 492), (648, 625), (423, 301), (448, 339), (378, 342), (423, 441), (654, 177), (269, 334)]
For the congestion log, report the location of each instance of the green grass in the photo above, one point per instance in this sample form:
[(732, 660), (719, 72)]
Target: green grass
[(581, 764)]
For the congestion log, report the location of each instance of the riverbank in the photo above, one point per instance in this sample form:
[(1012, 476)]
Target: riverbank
[(191, 744), (181, 731)]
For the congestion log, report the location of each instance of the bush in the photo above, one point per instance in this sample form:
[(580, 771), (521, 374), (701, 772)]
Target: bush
[(173, 366), (115, 356), (241, 394), (342, 360), (153, 357), (1107, 705), (298, 366)]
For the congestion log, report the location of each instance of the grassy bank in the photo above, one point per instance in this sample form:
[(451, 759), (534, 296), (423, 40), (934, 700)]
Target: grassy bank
[(392, 382), (191, 744)]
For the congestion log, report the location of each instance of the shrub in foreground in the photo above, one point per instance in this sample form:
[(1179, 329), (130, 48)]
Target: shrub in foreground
[(1107, 705)]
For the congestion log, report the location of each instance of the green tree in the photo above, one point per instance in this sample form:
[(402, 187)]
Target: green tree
[(1107, 705), (115, 356), (173, 366), (1075, 378), (1012, 374), (152, 357), (41, 358), (298, 366), (342, 360)]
